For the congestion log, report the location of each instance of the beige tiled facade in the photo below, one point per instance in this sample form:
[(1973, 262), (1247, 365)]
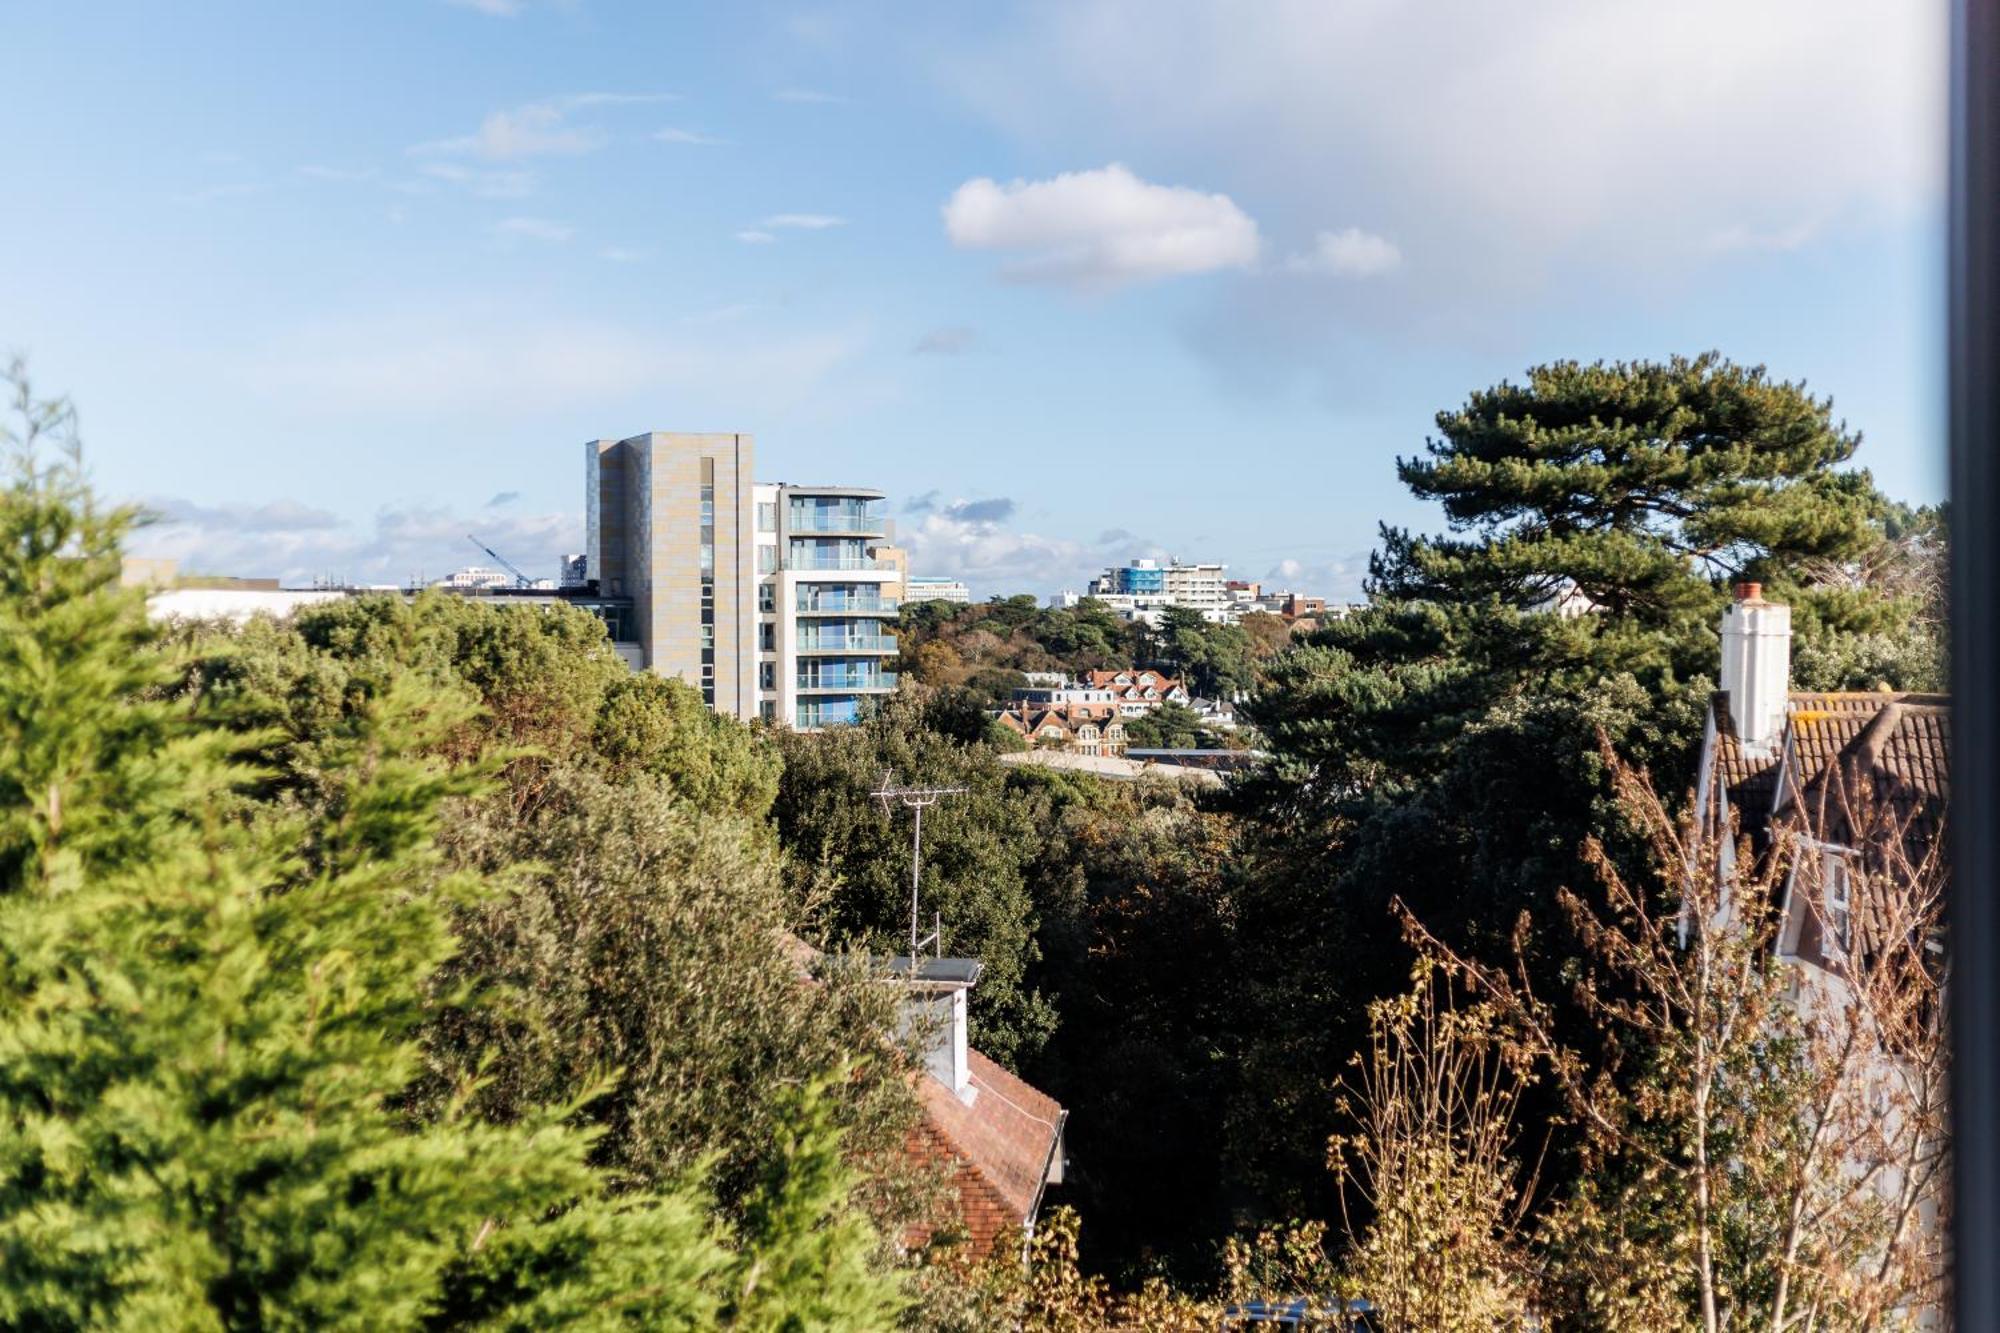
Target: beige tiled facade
[(645, 499)]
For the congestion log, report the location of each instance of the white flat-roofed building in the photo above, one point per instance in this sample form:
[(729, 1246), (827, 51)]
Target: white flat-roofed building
[(928, 588)]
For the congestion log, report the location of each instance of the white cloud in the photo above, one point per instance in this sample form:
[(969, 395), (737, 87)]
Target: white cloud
[(618, 99), (804, 221), (618, 254), (533, 229), (1352, 253), (687, 137), (495, 8), (1627, 125), (968, 540), (1338, 579), (539, 129), (1101, 228), (274, 516), (485, 184), (753, 236)]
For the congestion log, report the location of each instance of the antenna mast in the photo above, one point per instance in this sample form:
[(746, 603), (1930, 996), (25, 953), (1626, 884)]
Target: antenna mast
[(916, 799)]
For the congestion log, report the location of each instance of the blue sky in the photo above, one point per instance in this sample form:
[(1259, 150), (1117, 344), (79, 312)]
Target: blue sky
[(333, 284)]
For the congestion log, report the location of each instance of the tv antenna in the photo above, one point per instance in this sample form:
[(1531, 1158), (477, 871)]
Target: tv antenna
[(917, 800)]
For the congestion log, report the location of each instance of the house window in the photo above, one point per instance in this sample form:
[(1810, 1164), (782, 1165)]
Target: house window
[(767, 675), (1839, 900), (767, 595), (767, 557), (767, 516), (767, 638)]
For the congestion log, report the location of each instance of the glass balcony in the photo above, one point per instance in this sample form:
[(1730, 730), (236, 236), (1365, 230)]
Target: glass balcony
[(834, 518), (809, 562), (847, 643), (845, 676), (826, 713), (840, 601)]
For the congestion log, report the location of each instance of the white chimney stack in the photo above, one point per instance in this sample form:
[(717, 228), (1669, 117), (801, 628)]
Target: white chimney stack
[(1756, 668), (934, 1010)]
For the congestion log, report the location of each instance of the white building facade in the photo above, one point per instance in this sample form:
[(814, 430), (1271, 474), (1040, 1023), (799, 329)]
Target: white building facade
[(825, 604), (927, 588)]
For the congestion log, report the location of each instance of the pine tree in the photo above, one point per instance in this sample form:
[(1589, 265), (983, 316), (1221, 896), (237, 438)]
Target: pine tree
[(1645, 487)]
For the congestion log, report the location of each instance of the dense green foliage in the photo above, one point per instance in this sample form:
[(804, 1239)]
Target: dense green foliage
[(224, 950), (630, 827), (415, 962), (1174, 726), (1102, 912), (987, 647), (1442, 746), (849, 858)]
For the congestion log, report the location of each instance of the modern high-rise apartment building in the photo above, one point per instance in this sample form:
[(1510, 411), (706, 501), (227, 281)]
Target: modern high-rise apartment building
[(825, 603), (668, 519), (766, 597)]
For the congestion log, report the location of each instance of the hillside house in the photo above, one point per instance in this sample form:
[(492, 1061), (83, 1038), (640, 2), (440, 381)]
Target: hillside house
[(1090, 729), (998, 1139), (1136, 692)]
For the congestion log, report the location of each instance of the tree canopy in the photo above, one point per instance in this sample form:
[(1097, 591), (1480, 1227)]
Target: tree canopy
[(224, 950)]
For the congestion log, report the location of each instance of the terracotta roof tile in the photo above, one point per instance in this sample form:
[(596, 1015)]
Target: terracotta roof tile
[(1818, 726), (1007, 1139), (1896, 768)]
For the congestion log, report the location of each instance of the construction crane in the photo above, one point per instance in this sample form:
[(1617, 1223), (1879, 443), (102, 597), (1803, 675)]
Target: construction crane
[(520, 580)]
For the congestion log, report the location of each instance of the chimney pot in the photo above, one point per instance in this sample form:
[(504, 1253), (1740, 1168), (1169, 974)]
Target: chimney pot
[(1749, 591)]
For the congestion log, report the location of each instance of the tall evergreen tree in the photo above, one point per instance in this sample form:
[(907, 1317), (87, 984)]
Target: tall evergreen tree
[(206, 1036), (1442, 746), (1641, 490)]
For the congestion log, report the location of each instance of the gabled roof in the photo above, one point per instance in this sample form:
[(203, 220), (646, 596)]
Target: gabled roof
[(1895, 768), (1004, 1148), (1030, 718), (1008, 1143), (1819, 724), (1133, 682), (1877, 804)]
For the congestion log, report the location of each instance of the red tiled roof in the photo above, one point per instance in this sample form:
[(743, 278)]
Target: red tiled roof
[(1003, 1146), (999, 1150), (1108, 680), (1030, 718)]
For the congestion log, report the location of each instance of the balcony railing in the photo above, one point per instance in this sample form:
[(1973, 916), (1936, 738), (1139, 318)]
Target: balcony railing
[(835, 603), (847, 643), (851, 678), (834, 520), (811, 714), (818, 562)]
